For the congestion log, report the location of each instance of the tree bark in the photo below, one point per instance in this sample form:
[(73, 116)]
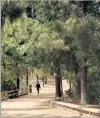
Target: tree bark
[(70, 77), (37, 78), (46, 80), (43, 81), (78, 91), (27, 78), (61, 86), (83, 75), (18, 82), (78, 86), (58, 82), (70, 84)]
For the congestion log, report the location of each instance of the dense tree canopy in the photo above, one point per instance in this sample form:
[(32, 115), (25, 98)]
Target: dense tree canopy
[(54, 36)]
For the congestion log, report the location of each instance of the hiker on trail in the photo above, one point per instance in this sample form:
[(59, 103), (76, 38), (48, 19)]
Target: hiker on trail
[(38, 87)]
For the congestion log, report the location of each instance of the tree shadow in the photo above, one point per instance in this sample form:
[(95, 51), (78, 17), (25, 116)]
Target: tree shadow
[(38, 116), (25, 109)]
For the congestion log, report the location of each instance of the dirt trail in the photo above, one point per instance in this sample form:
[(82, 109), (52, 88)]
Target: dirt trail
[(36, 106)]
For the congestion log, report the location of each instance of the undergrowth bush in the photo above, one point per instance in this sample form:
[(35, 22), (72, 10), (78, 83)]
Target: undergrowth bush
[(93, 88)]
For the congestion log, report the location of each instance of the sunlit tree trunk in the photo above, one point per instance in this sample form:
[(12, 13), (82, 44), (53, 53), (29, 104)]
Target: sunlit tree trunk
[(83, 76)]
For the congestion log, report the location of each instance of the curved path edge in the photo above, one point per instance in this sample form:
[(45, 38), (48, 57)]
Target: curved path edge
[(79, 108)]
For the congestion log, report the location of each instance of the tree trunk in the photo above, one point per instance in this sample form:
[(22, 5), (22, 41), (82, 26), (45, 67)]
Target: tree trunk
[(61, 86), (83, 75), (27, 78), (43, 81), (70, 85), (58, 82), (78, 91), (4, 85), (18, 82), (78, 86), (70, 82), (37, 78), (46, 80), (32, 11)]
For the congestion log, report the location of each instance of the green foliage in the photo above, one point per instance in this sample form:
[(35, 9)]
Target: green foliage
[(13, 54), (8, 85), (93, 88), (81, 8), (86, 38), (69, 93), (48, 35), (12, 9)]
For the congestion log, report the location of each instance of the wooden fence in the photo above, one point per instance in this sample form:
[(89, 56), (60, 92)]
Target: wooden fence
[(13, 93)]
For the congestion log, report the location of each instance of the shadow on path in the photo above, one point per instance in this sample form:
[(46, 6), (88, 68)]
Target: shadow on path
[(40, 116), (36, 106)]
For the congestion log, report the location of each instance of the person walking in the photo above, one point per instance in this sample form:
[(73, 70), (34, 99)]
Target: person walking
[(38, 87)]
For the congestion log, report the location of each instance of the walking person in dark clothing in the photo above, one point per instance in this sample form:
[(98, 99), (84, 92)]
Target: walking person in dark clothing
[(38, 87)]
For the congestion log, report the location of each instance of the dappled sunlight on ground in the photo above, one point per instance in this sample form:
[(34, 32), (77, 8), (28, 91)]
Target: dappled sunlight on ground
[(36, 106)]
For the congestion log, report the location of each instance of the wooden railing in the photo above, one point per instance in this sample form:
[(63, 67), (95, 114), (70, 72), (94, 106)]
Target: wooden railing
[(13, 93)]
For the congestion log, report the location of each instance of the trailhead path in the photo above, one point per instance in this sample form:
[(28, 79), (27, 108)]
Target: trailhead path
[(36, 106)]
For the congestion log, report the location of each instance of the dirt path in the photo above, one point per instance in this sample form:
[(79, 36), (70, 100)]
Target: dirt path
[(36, 106)]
